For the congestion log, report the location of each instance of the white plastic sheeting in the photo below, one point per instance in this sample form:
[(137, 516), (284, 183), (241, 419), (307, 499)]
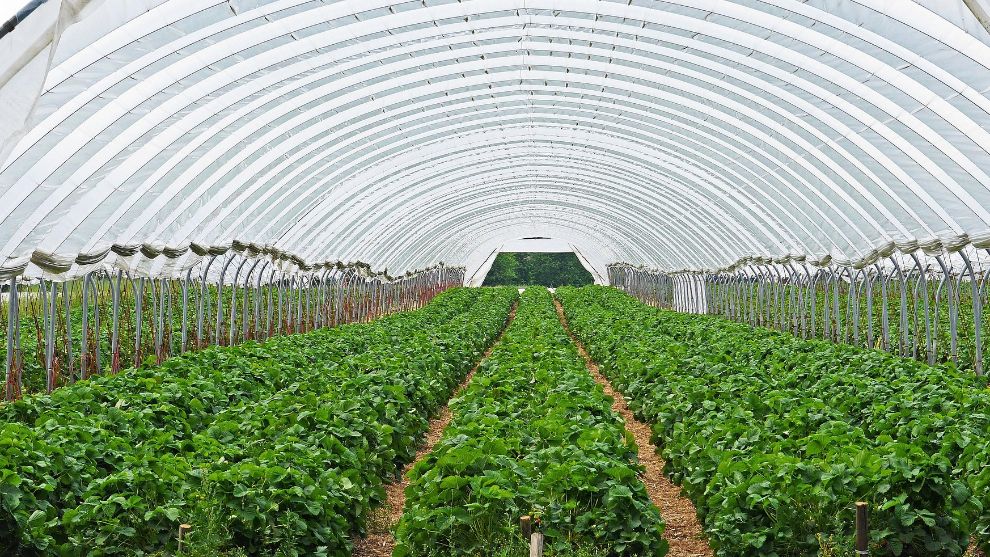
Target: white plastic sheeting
[(678, 134)]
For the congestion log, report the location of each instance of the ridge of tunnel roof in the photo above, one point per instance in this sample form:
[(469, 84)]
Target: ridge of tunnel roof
[(674, 134)]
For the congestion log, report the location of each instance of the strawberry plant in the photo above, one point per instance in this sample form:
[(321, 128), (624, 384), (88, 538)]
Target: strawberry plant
[(287, 443), (775, 437), (533, 434)]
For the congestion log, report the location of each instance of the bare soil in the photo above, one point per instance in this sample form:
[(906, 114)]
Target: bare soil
[(683, 531), (380, 541)]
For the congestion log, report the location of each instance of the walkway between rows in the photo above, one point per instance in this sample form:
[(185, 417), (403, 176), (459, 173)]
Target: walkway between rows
[(380, 541), (683, 531)]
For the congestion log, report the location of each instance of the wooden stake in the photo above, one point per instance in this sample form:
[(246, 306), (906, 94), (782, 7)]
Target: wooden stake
[(862, 537), (526, 525), (183, 528), (536, 545)]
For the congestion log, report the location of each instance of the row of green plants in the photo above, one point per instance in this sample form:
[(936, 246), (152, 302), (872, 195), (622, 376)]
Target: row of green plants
[(275, 448), (774, 438), (533, 435), (31, 363), (785, 307)]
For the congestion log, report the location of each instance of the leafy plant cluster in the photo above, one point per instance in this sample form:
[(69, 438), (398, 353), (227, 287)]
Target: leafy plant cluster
[(774, 437), (908, 331), (67, 361), (533, 434), (282, 447)]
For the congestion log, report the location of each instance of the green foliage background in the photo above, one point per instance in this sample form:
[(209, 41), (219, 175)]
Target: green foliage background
[(544, 269)]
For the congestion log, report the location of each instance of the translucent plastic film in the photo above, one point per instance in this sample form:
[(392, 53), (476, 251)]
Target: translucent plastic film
[(688, 134)]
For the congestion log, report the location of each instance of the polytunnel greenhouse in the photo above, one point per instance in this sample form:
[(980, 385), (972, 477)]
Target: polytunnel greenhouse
[(243, 242)]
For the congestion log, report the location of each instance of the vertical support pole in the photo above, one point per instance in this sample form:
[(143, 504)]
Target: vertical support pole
[(269, 309), (885, 310), (67, 307), (185, 313), (923, 286), (288, 304), (300, 290), (183, 530), (157, 327), (51, 306), (754, 304), (868, 283), (803, 288), (167, 319), (138, 310), (836, 279), (223, 275), (13, 326), (84, 340), (813, 296), (826, 307), (324, 314), (903, 317), (536, 545), (203, 294), (310, 314), (245, 324), (97, 350), (862, 530), (953, 310), (281, 289), (258, 295), (977, 315), (233, 301), (854, 303), (779, 291), (115, 334)]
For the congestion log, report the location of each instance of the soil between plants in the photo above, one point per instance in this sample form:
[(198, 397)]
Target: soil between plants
[(380, 541), (683, 531)]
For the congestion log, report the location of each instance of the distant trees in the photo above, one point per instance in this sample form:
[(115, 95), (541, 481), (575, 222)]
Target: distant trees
[(545, 269)]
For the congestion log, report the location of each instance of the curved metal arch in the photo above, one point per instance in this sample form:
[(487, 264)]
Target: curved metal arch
[(521, 224), (893, 196), (591, 196), (850, 223), (455, 238), (441, 223), (495, 234), (623, 179), (447, 185), (422, 158), (587, 192), (898, 81), (438, 137)]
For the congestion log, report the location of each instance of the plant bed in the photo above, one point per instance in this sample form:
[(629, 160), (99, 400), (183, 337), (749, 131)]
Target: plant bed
[(281, 446), (534, 435), (776, 437)]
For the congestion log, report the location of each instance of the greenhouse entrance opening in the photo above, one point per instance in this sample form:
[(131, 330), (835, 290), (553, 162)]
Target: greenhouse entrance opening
[(521, 260)]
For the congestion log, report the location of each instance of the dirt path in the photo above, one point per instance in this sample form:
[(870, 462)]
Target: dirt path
[(381, 523), (683, 531)]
